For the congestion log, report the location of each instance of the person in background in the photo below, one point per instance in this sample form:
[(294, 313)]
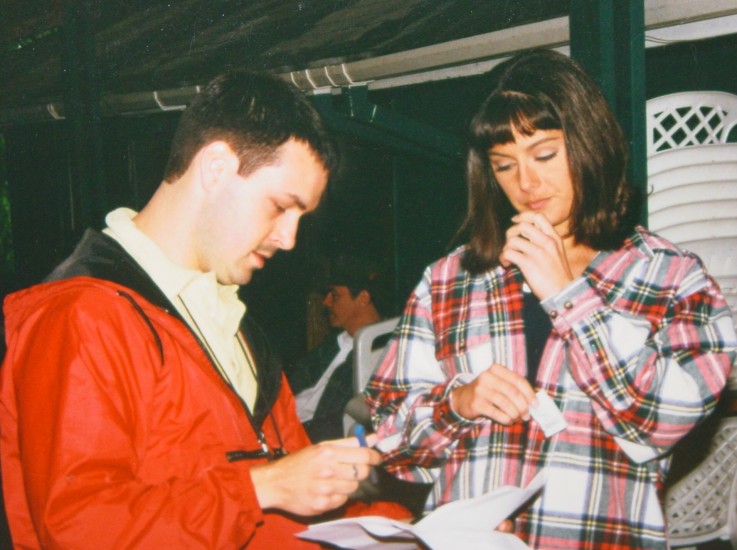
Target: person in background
[(561, 338), (322, 380), (139, 406)]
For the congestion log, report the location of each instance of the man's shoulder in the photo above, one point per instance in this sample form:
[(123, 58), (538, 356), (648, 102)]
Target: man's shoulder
[(100, 257), (71, 301)]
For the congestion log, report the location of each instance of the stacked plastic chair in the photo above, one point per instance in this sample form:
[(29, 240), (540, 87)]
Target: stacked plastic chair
[(692, 180), (366, 356)]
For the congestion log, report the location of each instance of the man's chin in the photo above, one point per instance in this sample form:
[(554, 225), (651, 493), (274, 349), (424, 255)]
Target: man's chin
[(238, 279)]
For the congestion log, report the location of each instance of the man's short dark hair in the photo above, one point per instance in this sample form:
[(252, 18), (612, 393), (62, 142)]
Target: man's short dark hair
[(254, 113), (358, 273)]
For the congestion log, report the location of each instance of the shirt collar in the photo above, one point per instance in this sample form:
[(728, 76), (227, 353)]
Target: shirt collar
[(345, 341), (175, 281)]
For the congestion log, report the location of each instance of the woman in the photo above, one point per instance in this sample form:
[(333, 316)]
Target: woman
[(556, 292)]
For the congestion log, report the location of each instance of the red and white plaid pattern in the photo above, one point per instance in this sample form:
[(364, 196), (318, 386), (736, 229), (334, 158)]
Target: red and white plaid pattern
[(641, 347)]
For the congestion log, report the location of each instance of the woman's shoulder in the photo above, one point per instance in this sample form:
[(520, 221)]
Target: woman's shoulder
[(645, 242), (648, 257), (450, 267)]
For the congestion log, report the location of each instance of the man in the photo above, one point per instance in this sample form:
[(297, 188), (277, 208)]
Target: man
[(140, 408), (323, 380)]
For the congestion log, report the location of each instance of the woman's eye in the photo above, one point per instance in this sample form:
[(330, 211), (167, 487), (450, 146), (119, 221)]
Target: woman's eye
[(544, 157), (502, 167)]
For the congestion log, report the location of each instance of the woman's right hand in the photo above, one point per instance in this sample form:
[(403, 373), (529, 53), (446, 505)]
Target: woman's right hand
[(498, 394)]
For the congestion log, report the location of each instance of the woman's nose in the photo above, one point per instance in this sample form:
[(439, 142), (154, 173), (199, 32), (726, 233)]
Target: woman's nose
[(529, 178)]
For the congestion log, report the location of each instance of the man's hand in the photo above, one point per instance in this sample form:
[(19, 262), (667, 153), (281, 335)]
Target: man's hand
[(315, 479), (497, 393)]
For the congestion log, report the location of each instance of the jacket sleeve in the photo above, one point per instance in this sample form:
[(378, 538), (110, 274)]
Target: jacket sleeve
[(654, 355), (84, 368), (408, 396)]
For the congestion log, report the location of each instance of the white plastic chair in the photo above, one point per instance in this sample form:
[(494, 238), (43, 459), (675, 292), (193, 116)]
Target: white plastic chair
[(366, 356), (701, 505), (690, 118), (692, 178)]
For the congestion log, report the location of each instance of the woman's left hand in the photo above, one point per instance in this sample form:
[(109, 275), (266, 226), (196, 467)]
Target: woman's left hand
[(537, 250)]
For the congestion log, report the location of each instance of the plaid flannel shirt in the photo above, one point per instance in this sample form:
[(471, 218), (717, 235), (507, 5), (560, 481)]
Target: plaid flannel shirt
[(641, 347)]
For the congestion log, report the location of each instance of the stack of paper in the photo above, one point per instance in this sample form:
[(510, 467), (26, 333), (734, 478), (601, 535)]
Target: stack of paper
[(469, 524)]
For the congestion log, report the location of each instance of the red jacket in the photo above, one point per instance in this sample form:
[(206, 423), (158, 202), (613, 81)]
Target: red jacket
[(116, 429)]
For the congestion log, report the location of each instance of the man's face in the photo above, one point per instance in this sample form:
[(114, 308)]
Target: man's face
[(341, 306), (246, 220)]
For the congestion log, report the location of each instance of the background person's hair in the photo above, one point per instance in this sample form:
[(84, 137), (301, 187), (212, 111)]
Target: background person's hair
[(358, 273), (545, 90), (254, 113)]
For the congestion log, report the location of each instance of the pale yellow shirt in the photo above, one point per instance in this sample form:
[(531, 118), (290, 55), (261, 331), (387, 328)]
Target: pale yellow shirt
[(212, 310)]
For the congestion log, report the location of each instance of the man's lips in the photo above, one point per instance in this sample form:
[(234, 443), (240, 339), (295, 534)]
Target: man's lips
[(261, 257)]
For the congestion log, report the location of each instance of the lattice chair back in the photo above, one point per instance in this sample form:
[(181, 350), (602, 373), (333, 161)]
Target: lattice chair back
[(685, 119), (701, 506), (701, 489)]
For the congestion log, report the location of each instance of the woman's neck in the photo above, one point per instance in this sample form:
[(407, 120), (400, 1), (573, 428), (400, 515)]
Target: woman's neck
[(579, 255)]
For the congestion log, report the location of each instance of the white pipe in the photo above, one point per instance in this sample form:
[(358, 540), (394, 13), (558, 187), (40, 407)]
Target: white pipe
[(664, 19)]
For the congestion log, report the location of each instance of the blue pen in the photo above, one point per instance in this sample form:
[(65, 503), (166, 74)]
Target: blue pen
[(360, 433)]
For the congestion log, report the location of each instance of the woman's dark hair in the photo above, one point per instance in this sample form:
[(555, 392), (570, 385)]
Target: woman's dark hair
[(254, 113), (545, 90)]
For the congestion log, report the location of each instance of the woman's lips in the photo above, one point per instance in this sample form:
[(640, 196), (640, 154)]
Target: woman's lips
[(537, 204)]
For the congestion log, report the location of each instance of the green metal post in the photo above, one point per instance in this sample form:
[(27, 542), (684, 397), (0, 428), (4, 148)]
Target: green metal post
[(83, 118), (608, 39)]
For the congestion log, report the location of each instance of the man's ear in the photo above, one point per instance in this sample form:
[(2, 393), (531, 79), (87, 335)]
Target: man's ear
[(216, 162), (364, 296)]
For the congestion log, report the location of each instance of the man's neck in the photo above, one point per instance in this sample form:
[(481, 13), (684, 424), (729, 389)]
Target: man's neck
[(366, 318), (162, 221)]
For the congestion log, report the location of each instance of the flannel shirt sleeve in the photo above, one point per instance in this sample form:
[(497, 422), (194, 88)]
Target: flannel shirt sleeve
[(654, 358), (409, 396)]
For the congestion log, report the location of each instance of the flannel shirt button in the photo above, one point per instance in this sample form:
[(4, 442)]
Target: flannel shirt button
[(553, 313), (568, 305)]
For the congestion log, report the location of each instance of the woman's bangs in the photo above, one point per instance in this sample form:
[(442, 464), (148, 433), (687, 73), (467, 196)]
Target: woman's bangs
[(511, 112)]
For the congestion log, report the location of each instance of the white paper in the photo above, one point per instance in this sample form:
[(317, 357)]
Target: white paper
[(548, 415), (469, 524)]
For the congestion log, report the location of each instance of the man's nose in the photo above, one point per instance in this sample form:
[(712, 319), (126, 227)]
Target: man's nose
[(285, 232)]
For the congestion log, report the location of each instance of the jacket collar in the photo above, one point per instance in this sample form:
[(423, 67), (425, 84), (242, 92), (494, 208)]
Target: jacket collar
[(101, 257)]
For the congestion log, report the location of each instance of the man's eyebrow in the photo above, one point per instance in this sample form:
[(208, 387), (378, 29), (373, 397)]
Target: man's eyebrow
[(298, 201)]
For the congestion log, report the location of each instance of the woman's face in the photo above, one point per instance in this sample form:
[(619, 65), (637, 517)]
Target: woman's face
[(533, 172)]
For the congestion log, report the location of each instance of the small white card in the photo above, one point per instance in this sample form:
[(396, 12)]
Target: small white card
[(548, 415)]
